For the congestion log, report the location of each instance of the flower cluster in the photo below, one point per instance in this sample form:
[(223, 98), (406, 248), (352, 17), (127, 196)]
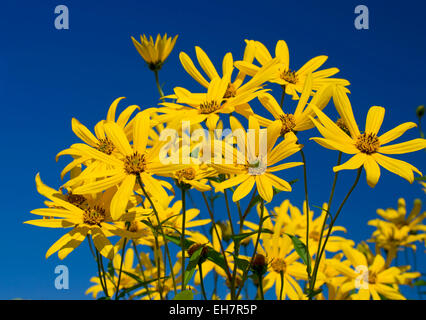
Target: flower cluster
[(129, 181)]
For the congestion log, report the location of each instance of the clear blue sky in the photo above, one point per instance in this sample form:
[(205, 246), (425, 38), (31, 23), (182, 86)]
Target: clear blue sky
[(48, 76)]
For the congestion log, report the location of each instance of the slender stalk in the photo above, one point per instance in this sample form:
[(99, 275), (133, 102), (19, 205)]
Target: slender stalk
[(334, 220), (141, 267), (222, 249), (158, 262), (282, 285), (200, 268), (229, 212), (305, 180), (260, 279), (330, 199), (157, 81), (182, 239), (121, 268), (166, 247), (101, 275), (282, 96), (262, 206)]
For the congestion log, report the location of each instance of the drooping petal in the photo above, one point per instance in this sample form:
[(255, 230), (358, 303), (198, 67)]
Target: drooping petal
[(372, 171)]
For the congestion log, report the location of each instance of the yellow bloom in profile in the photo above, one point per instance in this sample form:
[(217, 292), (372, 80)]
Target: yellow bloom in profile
[(293, 81), (155, 53), (93, 220), (257, 167), (366, 148), (370, 280)]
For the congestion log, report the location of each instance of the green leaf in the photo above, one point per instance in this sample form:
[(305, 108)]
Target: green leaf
[(422, 178), (137, 286), (419, 283), (326, 210), (192, 264), (313, 293), (184, 295), (301, 250), (242, 236)]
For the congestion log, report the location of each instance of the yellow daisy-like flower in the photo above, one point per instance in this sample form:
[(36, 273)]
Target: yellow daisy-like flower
[(155, 53), (99, 140), (257, 167), (283, 267), (368, 147), (93, 220), (370, 280), (134, 162), (293, 81), (299, 120)]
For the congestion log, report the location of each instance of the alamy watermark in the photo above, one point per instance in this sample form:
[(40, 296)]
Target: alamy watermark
[(62, 280)]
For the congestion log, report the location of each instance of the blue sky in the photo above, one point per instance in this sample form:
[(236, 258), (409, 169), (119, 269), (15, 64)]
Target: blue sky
[(48, 76)]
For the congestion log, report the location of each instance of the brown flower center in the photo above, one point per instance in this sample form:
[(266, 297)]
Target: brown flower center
[(288, 123), (289, 76), (105, 146), (368, 143), (94, 216), (209, 107), (342, 125), (278, 265), (230, 91), (135, 163), (187, 174), (75, 199)]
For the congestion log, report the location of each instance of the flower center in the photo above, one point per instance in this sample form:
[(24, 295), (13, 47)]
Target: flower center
[(342, 125), (368, 143), (105, 146), (278, 265), (75, 199), (289, 76), (372, 278), (94, 216), (135, 163), (288, 123), (209, 107), (230, 91), (187, 174)]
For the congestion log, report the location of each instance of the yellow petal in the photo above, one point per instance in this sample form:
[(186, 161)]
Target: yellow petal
[(374, 119), (353, 163), (121, 198), (243, 189), (372, 171), (396, 132), (404, 147)]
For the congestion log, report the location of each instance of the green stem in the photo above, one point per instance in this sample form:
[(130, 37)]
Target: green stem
[(333, 220), (157, 81), (262, 206), (200, 268), (282, 96), (305, 179), (260, 279), (121, 268), (182, 239), (222, 249), (141, 267), (101, 275), (282, 285), (330, 199), (138, 178)]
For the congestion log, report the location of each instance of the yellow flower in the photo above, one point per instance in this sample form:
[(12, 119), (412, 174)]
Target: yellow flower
[(155, 53), (398, 217), (198, 107), (99, 141), (282, 261), (133, 162), (293, 81), (256, 166), (367, 148), (370, 280), (93, 220), (300, 119)]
